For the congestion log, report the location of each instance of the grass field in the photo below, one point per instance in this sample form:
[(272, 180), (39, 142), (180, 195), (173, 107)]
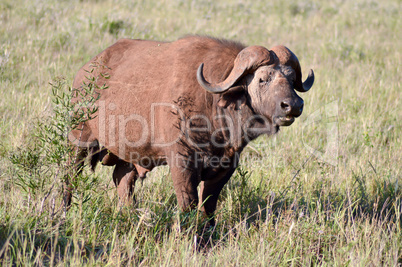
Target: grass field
[(340, 205)]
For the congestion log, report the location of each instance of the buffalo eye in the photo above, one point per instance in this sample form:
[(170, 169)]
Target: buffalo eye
[(264, 82)]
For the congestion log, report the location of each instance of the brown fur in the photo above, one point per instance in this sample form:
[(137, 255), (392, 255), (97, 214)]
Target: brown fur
[(143, 73)]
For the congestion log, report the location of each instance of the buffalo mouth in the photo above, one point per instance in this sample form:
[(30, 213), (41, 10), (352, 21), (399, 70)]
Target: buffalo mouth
[(284, 120)]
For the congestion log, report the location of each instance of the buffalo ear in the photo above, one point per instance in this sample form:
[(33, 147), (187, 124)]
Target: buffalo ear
[(235, 96)]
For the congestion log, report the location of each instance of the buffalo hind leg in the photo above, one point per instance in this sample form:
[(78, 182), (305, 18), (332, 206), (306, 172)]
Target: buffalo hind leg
[(76, 169), (124, 177)]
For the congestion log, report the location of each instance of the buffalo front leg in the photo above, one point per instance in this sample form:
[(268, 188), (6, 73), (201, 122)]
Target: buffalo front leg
[(210, 190), (185, 182), (124, 177)]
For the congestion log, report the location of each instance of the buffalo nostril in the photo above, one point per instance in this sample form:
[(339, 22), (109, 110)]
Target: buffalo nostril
[(285, 106)]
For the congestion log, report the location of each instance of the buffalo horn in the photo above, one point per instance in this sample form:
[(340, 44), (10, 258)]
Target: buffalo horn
[(287, 58), (249, 59), (308, 82), (215, 89)]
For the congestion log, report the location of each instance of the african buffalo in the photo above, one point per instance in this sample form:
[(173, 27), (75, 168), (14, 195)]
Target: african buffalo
[(193, 104)]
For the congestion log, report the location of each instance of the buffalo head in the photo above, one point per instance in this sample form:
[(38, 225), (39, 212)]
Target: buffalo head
[(269, 78)]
